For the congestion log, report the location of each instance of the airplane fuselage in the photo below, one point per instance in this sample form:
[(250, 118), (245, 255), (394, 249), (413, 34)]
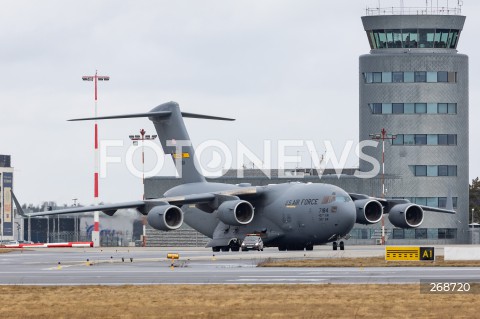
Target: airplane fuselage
[(289, 215)]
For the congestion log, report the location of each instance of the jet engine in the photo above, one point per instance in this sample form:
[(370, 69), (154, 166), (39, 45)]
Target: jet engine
[(235, 212), (369, 211), (406, 215), (165, 217)]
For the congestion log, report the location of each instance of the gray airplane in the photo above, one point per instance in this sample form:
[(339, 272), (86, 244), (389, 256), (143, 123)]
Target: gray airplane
[(290, 216)]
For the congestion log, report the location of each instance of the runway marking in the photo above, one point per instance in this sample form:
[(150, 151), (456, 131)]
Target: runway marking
[(278, 280)]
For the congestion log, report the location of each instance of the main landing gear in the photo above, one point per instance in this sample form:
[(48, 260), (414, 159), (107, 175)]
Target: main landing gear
[(308, 247), (234, 246), (336, 245)]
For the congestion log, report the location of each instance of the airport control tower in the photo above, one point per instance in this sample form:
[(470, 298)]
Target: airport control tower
[(414, 83)]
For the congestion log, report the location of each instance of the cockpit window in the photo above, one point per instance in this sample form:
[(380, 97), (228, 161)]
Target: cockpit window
[(328, 199), (342, 199), (335, 198)]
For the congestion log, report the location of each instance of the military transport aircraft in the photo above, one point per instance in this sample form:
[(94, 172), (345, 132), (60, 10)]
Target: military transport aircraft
[(290, 216)]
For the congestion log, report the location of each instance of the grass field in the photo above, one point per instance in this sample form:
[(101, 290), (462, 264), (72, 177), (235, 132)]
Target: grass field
[(245, 301), (234, 301), (366, 262)]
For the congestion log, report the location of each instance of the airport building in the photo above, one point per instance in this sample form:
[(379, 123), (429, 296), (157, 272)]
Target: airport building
[(414, 84), (6, 203)]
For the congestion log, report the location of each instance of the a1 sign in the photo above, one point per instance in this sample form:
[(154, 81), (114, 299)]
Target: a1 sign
[(427, 253)]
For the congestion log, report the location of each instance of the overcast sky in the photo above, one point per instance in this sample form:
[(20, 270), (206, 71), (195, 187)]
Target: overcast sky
[(284, 69)]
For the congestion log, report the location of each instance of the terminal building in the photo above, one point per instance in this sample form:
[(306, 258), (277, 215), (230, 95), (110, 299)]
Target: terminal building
[(6, 202), (413, 84)]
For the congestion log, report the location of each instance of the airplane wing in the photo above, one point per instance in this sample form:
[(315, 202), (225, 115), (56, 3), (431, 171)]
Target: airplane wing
[(144, 206), (108, 209), (388, 204)]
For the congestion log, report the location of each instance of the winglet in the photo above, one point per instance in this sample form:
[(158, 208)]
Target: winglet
[(17, 204)]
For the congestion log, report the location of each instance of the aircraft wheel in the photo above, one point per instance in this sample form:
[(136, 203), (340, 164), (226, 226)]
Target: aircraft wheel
[(334, 245), (236, 248), (225, 248), (342, 246)]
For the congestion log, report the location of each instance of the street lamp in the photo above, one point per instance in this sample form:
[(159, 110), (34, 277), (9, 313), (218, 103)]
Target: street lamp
[(472, 215), (75, 219), (383, 136), (135, 138), (96, 218)]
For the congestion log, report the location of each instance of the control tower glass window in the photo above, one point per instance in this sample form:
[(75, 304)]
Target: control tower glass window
[(394, 38), (410, 38), (452, 39), (413, 38), (441, 38), (425, 38)]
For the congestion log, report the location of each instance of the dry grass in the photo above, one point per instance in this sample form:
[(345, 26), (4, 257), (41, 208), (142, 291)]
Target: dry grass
[(366, 262), (234, 301)]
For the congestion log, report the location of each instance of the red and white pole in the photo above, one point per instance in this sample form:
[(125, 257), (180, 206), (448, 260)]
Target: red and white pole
[(96, 216)]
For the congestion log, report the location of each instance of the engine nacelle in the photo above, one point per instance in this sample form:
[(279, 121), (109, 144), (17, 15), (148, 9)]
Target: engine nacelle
[(235, 212), (369, 211), (406, 215), (165, 217)]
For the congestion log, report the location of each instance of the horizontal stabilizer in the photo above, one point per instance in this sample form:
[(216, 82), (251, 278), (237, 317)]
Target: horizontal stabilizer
[(154, 114), (206, 117), (127, 116)]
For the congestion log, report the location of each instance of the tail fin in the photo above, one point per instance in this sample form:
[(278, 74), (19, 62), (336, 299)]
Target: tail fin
[(173, 135)]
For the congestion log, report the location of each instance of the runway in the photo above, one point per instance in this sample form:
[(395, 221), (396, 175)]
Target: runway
[(145, 266)]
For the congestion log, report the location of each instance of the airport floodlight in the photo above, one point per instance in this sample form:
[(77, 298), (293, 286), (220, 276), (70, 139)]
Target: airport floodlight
[(142, 137), (135, 139), (383, 136)]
